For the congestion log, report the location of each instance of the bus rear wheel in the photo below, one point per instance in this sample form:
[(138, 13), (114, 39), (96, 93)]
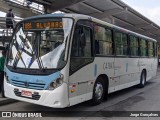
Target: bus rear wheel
[(142, 80), (98, 92)]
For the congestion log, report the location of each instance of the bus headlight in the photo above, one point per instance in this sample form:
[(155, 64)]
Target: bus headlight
[(56, 83)]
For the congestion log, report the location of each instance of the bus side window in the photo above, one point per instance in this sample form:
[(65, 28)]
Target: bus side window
[(103, 41)]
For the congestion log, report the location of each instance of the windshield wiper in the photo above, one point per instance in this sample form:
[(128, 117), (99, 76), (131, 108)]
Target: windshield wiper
[(18, 55), (39, 61)]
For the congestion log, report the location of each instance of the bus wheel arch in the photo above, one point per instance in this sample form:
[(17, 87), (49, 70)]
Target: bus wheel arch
[(143, 78), (101, 83)]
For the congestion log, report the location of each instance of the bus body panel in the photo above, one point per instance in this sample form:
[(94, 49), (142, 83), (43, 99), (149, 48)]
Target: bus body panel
[(133, 69), (85, 80), (129, 75), (122, 72), (81, 84), (57, 98)]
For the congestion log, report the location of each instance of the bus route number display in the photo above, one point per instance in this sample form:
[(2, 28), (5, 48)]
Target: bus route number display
[(42, 25)]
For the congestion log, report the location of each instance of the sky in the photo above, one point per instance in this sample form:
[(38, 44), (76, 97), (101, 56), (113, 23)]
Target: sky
[(148, 8)]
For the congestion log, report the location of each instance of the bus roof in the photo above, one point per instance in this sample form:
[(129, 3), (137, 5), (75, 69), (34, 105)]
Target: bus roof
[(81, 16)]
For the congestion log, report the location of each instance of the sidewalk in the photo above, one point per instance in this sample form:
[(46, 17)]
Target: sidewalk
[(5, 101)]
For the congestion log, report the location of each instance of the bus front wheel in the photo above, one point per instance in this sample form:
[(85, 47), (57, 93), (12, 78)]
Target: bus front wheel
[(142, 80), (98, 92)]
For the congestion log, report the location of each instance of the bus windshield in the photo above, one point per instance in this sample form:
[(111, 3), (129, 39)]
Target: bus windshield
[(39, 44)]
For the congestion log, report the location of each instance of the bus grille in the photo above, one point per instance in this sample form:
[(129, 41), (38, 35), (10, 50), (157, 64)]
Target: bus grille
[(30, 85)]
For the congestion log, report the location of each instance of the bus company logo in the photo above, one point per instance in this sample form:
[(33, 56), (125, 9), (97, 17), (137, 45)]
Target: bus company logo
[(6, 114)]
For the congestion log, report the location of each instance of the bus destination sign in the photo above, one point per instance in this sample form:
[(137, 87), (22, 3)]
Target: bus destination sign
[(42, 25)]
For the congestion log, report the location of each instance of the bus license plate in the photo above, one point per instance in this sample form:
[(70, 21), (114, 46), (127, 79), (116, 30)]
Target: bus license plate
[(26, 93)]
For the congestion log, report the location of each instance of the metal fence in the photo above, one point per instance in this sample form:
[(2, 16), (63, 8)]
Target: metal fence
[(32, 5)]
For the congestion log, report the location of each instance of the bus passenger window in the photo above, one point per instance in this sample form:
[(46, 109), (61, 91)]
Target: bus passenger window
[(134, 46), (121, 43), (143, 48), (151, 49), (103, 41)]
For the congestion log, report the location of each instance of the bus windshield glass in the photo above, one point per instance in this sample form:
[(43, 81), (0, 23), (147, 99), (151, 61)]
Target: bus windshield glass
[(39, 44)]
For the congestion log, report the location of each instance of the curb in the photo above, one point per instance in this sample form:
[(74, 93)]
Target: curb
[(7, 101)]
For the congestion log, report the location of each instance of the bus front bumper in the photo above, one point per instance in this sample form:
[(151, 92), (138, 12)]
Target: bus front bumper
[(57, 98)]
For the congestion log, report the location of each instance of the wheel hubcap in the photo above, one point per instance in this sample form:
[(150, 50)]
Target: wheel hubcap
[(99, 91)]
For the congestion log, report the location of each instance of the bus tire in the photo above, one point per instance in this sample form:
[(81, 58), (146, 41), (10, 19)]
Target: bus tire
[(142, 80), (98, 92)]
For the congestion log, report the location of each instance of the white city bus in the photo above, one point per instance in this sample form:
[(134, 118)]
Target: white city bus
[(62, 60)]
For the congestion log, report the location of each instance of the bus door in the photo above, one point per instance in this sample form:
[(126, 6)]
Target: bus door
[(81, 64)]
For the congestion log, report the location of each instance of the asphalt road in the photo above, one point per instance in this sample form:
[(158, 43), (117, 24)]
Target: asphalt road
[(131, 99)]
